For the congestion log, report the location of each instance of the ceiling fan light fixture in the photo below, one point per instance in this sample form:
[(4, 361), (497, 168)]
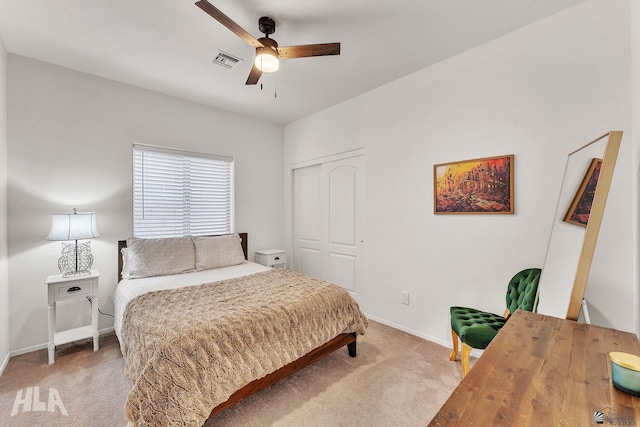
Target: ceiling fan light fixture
[(268, 53), (267, 60)]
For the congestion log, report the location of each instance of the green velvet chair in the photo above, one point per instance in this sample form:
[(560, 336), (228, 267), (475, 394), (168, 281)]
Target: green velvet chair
[(477, 328)]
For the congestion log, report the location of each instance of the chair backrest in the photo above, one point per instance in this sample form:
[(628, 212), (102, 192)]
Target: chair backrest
[(521, 291)]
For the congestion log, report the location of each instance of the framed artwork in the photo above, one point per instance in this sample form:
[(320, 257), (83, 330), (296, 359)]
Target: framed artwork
[(580, 207), (478, 186)]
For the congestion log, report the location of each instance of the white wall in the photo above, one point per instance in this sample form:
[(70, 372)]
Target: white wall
[(538, 93), (69, 145), (4, 271)]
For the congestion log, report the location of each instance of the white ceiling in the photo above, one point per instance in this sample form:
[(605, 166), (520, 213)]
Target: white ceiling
[(168, 45)]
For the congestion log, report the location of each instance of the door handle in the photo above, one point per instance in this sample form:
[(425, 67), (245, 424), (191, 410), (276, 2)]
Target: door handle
[(74, 289)]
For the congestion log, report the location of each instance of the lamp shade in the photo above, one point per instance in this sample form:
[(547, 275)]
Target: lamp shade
[(75, 226), (267, 60)]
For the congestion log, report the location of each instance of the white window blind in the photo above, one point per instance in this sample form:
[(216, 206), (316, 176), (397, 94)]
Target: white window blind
[(177, 193)]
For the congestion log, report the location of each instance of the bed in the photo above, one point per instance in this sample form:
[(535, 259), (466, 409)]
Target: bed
[(201, 332)]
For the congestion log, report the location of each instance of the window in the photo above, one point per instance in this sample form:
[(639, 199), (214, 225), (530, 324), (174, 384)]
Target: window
[(177, 193)]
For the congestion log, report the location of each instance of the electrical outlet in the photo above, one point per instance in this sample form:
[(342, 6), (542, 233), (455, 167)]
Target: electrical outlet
[(405, 297)]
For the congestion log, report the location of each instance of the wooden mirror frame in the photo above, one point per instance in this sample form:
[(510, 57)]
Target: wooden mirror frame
[(592, 230), (595, 221)]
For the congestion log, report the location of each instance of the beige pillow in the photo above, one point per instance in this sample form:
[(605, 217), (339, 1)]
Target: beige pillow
[(218, 251), (160, 257)]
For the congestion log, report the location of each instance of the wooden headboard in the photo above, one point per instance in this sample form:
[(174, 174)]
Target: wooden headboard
[(123, 244)]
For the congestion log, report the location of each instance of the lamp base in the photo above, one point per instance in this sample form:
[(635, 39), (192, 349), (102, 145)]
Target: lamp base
[(76, 273), (76, 259)]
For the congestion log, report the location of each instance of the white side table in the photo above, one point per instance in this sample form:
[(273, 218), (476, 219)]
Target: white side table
[(63, 288), (274, 258)]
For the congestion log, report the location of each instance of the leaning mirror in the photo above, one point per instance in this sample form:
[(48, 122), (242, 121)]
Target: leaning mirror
[(581, 204)]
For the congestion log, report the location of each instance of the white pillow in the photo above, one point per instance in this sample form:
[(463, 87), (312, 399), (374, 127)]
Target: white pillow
[(160, 257), (125, 263), (218, 251)]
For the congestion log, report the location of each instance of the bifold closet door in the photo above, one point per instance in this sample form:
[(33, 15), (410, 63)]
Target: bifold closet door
[(328, 218), (308, 219)]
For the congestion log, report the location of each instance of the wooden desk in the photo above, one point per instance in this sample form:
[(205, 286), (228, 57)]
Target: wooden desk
[(544, 371)]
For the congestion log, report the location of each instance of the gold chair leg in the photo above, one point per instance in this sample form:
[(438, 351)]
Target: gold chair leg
[(466, 352), (454, 350)]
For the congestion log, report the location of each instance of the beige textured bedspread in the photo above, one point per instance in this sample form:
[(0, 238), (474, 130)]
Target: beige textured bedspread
[(187, 350)]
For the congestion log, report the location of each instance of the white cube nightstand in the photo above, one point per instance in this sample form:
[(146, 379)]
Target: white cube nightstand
[(63, 288), (274, 258)]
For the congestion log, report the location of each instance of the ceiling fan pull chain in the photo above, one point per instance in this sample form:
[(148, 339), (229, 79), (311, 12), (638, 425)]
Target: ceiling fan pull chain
[(275, 87)]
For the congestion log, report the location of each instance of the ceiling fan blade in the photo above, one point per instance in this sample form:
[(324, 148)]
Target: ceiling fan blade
[(227, 22), (307, 50), (254, 75)]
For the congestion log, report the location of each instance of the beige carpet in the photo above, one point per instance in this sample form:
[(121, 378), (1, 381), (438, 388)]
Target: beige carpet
[(396, 380)]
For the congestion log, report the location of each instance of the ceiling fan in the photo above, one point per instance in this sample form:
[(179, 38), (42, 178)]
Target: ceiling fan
[(267, 50)]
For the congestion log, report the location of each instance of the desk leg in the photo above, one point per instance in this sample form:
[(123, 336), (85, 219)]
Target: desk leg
[(94, 322), (52, 332)]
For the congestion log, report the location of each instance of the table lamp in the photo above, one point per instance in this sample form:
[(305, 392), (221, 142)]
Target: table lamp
[(76, 259)]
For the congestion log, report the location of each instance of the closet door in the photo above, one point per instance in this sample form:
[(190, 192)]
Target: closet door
[(328, 219), (345, 210), (308, 220)]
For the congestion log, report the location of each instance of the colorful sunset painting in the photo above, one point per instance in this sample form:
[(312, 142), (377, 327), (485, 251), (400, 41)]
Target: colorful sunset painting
[(580, 208), (474, 186)]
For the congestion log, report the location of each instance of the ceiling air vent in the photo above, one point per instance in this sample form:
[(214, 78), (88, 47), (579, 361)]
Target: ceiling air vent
[(226, 60)]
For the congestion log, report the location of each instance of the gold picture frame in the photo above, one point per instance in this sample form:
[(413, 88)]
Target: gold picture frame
[(476, 186)]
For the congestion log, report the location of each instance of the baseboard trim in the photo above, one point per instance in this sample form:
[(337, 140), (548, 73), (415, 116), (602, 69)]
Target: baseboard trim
[(29, 349), (4, 363), (408, 330), (45, 345), (474, 352)]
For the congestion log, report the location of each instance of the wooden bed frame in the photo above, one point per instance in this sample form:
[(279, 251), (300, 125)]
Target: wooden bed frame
[(260, 384)]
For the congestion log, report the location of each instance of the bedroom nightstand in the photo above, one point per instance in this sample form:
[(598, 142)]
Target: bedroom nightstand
[(274, 258), (64, 288)]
